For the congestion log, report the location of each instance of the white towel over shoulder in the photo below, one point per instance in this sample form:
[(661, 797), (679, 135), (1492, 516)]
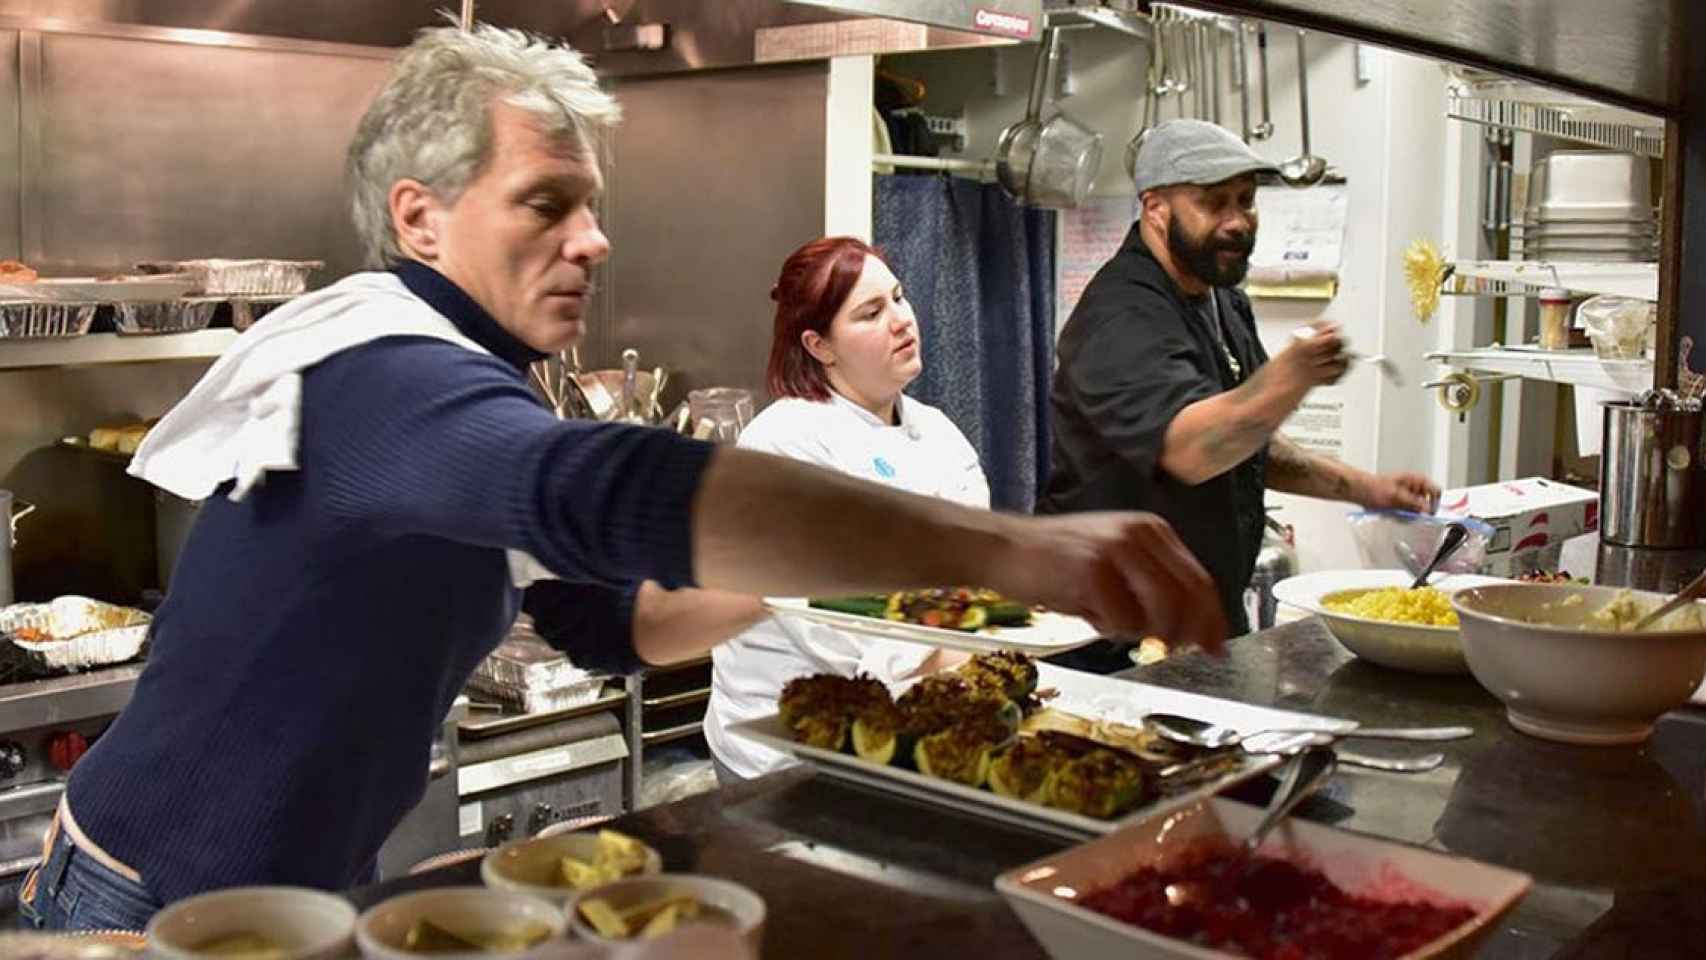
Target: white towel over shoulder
[(244, 418)]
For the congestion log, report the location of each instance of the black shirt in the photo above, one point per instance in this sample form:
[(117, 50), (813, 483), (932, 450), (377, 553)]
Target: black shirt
[(1134, 354)]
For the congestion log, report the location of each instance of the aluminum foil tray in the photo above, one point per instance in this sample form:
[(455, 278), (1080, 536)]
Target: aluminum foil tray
[(246, 310), (42, 320), (82, 633), (171, 316), (239, 277), (530, 675), (526, 662), (576, 694)]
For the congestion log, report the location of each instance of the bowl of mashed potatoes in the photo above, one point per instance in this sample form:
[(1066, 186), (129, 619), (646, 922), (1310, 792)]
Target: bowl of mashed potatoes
[(1564, 659), (1377, 616)]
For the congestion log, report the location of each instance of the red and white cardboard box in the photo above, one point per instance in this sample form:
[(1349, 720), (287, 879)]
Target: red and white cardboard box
[(1531, 518)]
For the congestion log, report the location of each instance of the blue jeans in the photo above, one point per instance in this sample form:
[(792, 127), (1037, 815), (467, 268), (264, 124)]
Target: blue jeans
[(70, 890)]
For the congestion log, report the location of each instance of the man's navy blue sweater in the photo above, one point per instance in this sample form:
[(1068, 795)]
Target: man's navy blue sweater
[(318, 630)]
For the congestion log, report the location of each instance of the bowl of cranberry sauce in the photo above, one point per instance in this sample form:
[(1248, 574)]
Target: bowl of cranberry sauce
[(1176, 885)]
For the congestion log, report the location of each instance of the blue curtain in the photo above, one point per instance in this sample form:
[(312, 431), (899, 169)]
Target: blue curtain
[(979, 270)]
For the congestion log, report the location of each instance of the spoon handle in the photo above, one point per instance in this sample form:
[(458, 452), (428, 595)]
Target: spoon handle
[(1420, 764), (1455, 534), (1308, 770), (1411, 733)]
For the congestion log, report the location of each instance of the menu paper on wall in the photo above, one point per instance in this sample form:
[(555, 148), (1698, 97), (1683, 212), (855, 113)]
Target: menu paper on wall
[(1090, 234), (1301, 243)]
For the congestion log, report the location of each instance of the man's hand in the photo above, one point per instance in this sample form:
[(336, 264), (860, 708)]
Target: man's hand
[(1127, 573), (1311, 361), (1400, 491)]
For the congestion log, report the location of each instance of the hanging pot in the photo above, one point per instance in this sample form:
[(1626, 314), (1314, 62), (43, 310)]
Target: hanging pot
[(14, 510), (1048, 163)]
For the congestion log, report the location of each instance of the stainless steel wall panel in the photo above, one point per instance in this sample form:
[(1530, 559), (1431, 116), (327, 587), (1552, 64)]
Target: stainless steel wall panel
[(158, 150), (10, 155), (715, 178)]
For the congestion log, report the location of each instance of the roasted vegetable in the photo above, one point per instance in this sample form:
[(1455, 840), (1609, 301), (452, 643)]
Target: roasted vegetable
[(960, 753), (876, 732), (943, 700), (1023, 770), (875, 605), (1011, 674), (955, 608), (819, 710), (1101, 783)]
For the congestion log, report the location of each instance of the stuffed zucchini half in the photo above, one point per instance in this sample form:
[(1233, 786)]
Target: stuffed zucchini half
[(1101, 784), (820, 710), (960, 753), (1025, 770), (1009, 673), (876, 733)]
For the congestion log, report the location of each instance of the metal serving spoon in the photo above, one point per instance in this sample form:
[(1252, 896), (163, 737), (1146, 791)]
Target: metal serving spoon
[(1290, 744), (1307, 772), (1455, 534), (1213, 736)]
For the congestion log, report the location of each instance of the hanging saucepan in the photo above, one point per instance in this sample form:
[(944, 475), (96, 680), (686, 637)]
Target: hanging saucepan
[(14, 510), (1047, 163)]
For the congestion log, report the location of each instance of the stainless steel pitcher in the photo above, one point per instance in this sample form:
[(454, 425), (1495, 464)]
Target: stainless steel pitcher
[(1652, 482)]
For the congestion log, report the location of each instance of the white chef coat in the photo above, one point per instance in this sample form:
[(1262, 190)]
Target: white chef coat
[(924, 454)]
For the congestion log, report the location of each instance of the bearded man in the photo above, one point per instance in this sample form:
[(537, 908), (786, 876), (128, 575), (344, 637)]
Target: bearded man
[(1164, 399)]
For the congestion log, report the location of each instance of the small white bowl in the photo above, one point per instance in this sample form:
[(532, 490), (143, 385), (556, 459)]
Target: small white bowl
[(381, 930), (1042, 893), (1419, 648), (745, 906), (1568, 679), (307, 924), (531, 866)]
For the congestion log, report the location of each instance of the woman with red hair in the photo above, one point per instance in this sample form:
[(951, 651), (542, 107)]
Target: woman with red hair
[(846, 344)]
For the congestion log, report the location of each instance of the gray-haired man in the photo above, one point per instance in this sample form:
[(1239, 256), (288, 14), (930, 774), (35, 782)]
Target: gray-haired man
[(378, 477)]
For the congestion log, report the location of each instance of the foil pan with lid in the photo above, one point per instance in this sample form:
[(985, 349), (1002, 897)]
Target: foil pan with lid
[(261, 278)]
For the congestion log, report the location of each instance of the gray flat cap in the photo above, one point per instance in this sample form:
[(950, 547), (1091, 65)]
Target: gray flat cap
[(1193, 151)]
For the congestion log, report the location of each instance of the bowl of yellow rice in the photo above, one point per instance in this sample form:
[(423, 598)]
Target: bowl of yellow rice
[(1375, 615)]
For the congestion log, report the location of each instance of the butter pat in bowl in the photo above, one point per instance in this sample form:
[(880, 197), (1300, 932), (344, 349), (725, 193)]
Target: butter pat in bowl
[(556, 867), (471, 923), (642, 908)]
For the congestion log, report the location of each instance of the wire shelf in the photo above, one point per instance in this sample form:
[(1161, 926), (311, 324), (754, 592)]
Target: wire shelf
[(1585, 124)]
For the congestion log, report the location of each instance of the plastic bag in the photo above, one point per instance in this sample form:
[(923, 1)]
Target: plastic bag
[(1398, 538), (1620, 327)]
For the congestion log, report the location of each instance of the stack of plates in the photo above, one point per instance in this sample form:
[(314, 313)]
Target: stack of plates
[(1590, 205)]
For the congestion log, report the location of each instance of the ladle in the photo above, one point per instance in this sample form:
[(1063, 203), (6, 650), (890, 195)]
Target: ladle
[(1305, 169)]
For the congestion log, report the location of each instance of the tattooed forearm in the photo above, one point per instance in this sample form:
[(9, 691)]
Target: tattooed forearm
[(1212, 436), (1291, 469), (1232, 441)]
